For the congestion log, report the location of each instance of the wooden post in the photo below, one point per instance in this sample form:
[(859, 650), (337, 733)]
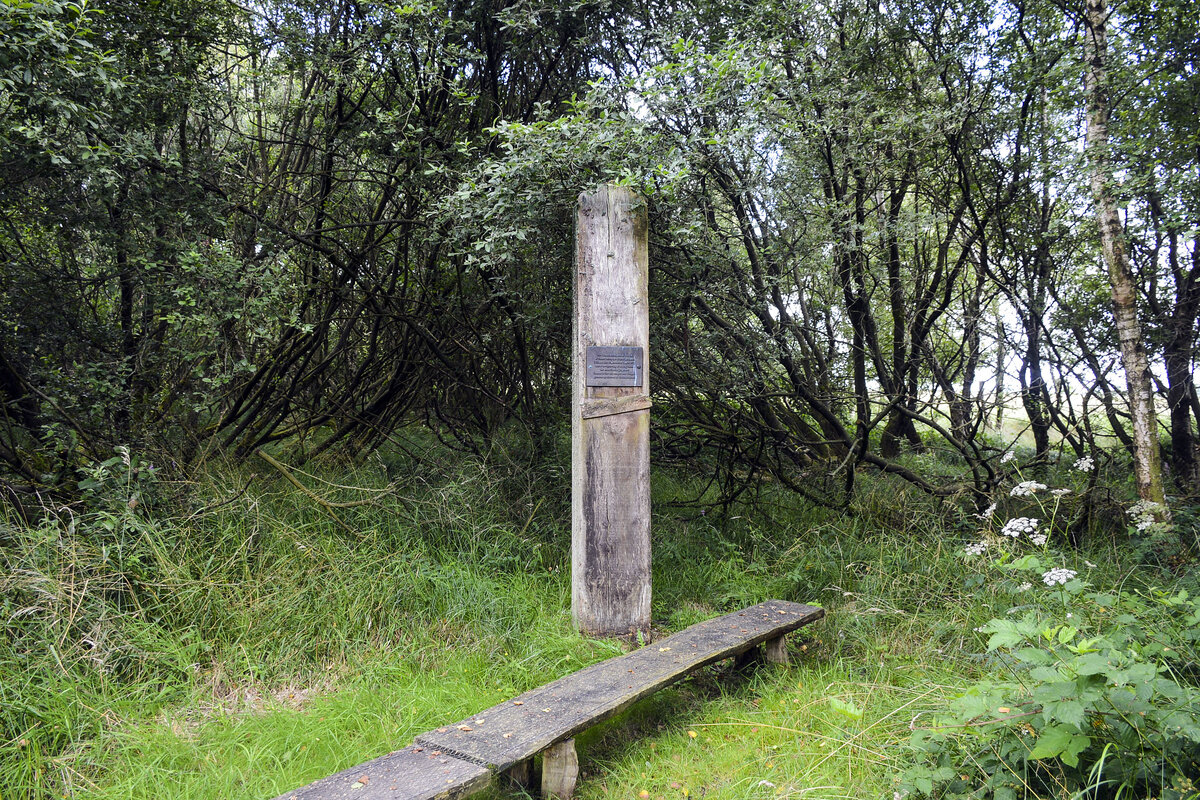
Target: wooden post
[(560, 768), (777, 650), (520, 774), (748, 658), (610, 417)]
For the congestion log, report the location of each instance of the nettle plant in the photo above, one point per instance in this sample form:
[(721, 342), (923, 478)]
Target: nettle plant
[(1091, 693)]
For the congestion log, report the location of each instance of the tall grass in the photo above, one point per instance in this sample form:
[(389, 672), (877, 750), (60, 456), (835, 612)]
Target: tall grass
[(240, 642)]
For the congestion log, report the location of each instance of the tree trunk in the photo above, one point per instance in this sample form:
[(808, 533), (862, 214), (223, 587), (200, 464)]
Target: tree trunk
[(998, 379), (1147, 464), (1179, 353), (1033, 383), (1179, 389)]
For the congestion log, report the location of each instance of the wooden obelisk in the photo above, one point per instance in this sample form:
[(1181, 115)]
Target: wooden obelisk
[(610, 417)]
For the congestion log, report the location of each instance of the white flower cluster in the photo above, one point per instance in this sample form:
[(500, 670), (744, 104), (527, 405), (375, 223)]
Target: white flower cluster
[(1038, 538), (1057, 576), (1060, 492), (987, 512), (1027, 489), (1146, 513), (975, 549), (1085, 464), (1007, 457), (1025, 587), (1018, 525)]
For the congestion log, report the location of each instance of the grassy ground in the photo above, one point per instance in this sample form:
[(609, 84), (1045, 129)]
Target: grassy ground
[(237, 641)]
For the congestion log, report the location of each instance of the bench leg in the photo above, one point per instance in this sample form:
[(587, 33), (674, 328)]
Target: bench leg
[(520, 774), (777, 650), (747, 659), (560, 768)]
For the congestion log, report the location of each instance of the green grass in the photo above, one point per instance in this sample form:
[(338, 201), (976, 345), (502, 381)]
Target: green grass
[(233, 643), (779, 735)]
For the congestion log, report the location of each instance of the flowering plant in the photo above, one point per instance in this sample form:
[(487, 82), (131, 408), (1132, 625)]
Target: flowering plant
[(1031, 528), (1027, 489), (1019, 525), (1091, 693), (1093, 697)]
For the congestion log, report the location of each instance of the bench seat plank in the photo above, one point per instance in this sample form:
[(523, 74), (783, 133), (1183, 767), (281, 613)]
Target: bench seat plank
[(414, 773), (517, 729)]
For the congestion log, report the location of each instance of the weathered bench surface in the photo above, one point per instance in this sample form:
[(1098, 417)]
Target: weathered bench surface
[(413, 773), (515, 730), (504, 735)]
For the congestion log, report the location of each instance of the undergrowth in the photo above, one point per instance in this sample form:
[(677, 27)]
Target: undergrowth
[(245, 638)]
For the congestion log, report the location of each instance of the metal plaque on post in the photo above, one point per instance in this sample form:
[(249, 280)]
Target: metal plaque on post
[(614, 366)]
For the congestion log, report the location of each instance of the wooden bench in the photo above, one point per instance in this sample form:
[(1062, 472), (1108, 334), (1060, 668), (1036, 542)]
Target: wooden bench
[(465, 757)]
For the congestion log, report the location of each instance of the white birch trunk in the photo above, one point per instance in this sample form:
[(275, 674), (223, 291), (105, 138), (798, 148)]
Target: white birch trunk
[(1147, 463)]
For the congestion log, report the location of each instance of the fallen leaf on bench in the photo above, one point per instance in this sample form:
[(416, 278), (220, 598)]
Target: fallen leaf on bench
[(464, 727), (663, 649), (508, 735), (518, 702), (546, 710)]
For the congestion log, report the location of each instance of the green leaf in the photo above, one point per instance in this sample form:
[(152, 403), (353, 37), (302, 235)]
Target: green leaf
[(1062, 742), (1026, 562), (1091, 664), (1054, 691), (1068, 712), (1034, 655), (1079, 743), (845, 708), (1054, 740), (1005, 633), (1048, 674)]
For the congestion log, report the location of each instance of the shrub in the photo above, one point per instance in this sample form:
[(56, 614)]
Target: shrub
[(1092, 695)]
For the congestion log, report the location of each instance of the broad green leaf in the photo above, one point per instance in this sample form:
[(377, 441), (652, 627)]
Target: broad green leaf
[(1035, 655), (1054, 740), (1062, 742), (846, 708), (1091, 664), (1067, 712)]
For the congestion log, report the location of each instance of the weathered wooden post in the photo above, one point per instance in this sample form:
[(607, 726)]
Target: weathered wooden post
[(610, 417)]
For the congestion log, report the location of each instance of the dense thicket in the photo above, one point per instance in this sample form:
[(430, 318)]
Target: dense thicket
[(224, 226)]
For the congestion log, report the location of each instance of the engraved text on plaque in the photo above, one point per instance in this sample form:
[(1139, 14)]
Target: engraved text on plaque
[(614, 366)]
